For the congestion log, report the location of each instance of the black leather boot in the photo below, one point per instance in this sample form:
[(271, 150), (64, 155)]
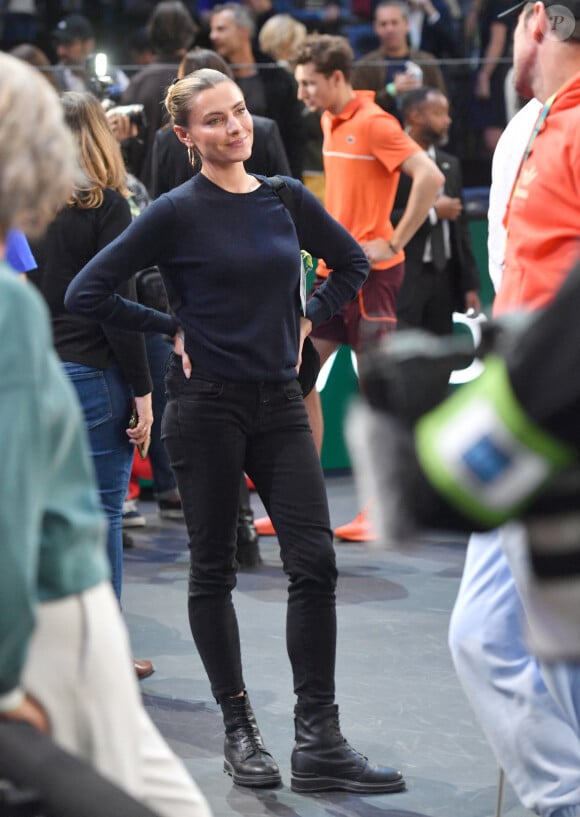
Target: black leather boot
[(248, 553), (246, 758), (322, 760)]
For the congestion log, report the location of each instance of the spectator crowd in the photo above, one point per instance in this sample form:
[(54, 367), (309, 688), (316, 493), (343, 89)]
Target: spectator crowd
[(457, 46)]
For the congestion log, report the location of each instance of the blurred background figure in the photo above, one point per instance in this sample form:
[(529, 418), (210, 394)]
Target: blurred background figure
[(155, 466), (75, 45), (395, 67), (490, 39), (432, 28), (37, 58), (280, 38), (172, 31), (18, 253), (74, 42), (140, 49), (440, 271), (261, 11), (269, 91), (19, 23)]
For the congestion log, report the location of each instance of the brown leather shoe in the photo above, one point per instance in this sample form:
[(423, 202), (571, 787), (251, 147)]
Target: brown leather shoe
[(143, 668)]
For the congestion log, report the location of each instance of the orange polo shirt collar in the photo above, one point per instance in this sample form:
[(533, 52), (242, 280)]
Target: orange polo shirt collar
[(353, 106)]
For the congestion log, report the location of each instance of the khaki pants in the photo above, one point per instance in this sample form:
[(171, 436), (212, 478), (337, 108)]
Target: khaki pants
[(80, 669)]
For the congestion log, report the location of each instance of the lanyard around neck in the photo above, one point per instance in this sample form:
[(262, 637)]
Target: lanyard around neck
[(537, 128), (542, 116)]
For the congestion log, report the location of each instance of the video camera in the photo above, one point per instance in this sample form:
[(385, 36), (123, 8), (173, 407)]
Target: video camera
[(106, 87)]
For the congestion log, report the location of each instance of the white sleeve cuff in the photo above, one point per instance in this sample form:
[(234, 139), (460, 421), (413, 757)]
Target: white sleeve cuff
[(11, 700)]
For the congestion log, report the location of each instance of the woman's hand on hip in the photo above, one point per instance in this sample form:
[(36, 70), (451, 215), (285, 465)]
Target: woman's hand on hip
[(179, 349)]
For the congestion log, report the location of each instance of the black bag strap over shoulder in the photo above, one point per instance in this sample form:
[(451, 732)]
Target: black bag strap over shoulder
[(283, 191)]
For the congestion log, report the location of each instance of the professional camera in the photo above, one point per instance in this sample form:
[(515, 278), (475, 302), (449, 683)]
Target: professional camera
[(136, 113)]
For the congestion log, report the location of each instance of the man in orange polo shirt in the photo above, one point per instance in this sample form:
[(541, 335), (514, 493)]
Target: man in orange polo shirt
[(364, 151)]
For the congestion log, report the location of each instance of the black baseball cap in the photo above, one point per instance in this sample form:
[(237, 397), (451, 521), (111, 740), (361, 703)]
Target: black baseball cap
[(73, 27), (572, 6)]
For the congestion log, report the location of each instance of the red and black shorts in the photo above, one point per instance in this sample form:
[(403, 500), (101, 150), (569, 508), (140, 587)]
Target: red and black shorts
[(370, 316)]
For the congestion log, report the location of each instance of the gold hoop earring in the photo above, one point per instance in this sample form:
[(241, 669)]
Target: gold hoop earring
[(191, 155)]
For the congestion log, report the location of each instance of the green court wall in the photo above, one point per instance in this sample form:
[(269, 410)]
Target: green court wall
[(342, 383)]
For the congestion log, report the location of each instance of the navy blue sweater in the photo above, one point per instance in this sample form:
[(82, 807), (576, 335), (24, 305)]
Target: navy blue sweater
[(233, 262)]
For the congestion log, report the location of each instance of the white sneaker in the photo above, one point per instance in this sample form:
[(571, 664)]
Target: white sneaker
[(131, 516)]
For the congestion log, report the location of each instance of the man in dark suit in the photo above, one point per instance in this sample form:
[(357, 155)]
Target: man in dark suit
[(440, 271)]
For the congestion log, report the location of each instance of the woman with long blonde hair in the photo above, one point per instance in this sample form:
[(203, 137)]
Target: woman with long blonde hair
[(107, 366), (100, 158)]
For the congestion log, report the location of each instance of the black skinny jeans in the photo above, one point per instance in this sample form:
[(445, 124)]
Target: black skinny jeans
[(214, 430)]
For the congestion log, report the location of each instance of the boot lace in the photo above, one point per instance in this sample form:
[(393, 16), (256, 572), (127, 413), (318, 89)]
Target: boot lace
[(248, 735), (341, 739), (249, 741)]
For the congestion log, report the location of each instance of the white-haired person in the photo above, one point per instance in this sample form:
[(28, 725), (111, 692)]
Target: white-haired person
[(65, 663)]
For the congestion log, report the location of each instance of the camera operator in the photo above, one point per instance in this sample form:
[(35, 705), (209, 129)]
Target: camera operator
[(74, 40)]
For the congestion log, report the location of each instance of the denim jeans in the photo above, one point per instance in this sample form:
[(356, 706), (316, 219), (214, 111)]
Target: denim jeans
[(106, 401), (528, 709), (214, 430), (158, 352)]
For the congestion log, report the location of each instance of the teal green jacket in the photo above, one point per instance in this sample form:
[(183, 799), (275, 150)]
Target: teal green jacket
[(52, 529)]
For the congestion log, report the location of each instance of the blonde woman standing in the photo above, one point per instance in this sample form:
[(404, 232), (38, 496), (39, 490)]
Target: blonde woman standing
[(229, 250)]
